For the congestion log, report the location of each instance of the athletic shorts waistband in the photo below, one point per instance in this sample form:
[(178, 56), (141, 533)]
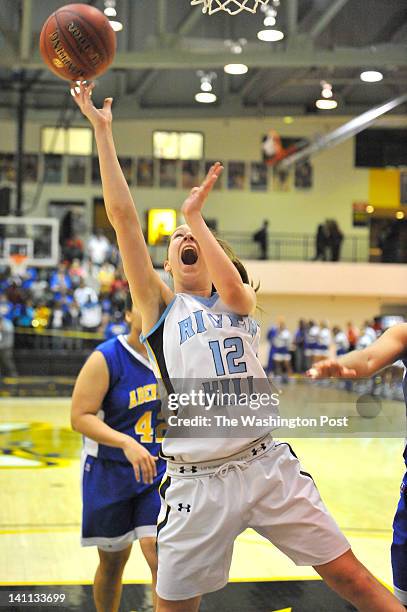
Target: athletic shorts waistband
[(191, 470)]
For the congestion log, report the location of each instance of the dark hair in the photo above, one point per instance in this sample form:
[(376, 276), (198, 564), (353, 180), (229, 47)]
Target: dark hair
[(236, 262)]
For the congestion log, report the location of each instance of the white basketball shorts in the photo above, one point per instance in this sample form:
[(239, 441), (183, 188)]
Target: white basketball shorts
[(206, 506)]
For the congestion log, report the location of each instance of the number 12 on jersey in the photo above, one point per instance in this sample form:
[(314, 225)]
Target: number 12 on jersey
[(232, 351)]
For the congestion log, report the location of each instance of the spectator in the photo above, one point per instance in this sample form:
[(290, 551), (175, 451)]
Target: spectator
[(24, 313), (282, 356), (7, 365), (83, 293), (352, 334), (73, 249), (106, 277), (6, 307), (261, 238), (270, 337), (299, 344), (76, 271), (60, 279), (341, 341), (90, 315), (324, 341), (98, 247), (42, 315), (57, 323), (321, 242), (335, 240), (116, 326), (311, 343)]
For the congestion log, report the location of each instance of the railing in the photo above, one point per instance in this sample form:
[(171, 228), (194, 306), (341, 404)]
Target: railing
[(282, 246)]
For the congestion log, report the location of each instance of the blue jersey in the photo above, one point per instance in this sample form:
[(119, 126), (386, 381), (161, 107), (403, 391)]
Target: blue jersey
[(131, 404)]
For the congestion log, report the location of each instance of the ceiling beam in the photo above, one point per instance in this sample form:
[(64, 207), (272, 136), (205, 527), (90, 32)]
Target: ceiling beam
[(292, 18), (26, 33), (161, 18), (326, 17), (259, 56), (189, 22)]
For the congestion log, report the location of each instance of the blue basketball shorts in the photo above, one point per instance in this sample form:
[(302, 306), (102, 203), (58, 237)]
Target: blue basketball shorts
[(116, 508), (399, 546)]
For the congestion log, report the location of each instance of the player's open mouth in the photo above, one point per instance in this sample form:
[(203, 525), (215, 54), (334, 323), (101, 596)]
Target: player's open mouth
[(189, 256)]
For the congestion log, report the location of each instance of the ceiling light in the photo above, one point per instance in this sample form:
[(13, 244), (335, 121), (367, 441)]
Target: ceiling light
[(324, 104), (110, 8), (206, 86), (116, 25), (270, 35), (371, 76), (269, 21), (205, 97), (370, 209), (236, 68), (399, 214), (326, 90)]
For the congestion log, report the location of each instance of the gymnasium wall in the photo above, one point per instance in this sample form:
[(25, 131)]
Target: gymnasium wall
[(336, 182)]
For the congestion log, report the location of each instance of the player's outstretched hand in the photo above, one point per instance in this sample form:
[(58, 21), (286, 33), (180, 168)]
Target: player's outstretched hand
[(82, 94), (196, 199), (330, 368), (143, 463)]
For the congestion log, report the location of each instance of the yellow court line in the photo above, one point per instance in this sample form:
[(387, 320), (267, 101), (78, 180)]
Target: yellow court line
[(39, 530)]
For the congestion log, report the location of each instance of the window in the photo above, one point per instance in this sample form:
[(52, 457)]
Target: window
[(178, 145), (62, 141)]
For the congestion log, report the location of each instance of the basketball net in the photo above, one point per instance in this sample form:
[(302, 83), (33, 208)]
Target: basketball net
[(18, 264), (230, 6)]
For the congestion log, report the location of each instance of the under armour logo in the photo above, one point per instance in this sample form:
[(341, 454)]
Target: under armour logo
[(181, 507), (193, 469), (255, 451)]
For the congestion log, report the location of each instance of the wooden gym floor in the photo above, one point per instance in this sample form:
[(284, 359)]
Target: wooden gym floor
[(40, 515)]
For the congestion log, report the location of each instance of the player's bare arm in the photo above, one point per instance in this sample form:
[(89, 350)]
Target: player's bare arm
[(234, 293), (383, 352), (91, 387), (148, 291)]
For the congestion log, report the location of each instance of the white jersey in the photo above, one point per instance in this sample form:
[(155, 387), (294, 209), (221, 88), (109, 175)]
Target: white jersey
[(341, 343), (199, 345)]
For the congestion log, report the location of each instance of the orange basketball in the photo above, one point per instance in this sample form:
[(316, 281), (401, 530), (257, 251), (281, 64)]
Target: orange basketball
[(77, 42)]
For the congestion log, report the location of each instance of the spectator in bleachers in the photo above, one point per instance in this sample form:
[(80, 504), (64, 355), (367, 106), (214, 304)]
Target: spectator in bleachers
[(76, 271), (106, 277), (282, 355), (352, 333), (42, 315), (83, 293), (311, 343), (24, 313), (7, 365), (116, 326), (367, 337), (324, 341), (299, 344), (73, 249), (341, 341), (60, 279), (6, 307), (90, 315), (99, 247)]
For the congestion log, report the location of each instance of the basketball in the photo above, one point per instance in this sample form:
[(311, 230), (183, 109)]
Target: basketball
[(77, 42)]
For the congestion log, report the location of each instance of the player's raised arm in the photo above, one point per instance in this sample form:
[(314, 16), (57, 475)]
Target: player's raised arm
[(147, 289), (240, 297), (365, 363)]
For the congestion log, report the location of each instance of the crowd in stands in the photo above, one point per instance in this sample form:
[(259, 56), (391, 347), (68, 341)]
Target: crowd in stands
[(86, 293), (294, 352)]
